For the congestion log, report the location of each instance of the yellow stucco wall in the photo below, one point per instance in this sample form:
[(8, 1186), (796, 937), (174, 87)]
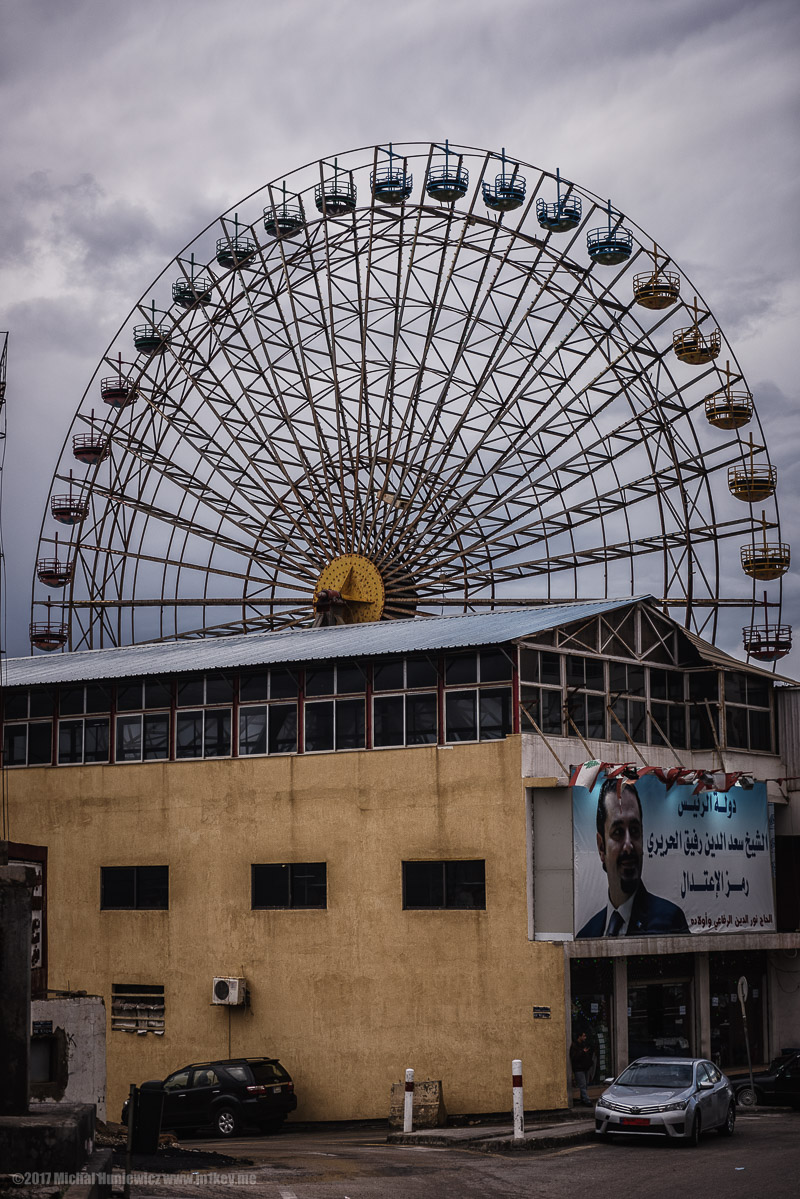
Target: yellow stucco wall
[(347, 997)]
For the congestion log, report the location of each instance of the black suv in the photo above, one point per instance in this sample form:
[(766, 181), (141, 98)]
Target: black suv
[(225, 1095), (780, 1084)]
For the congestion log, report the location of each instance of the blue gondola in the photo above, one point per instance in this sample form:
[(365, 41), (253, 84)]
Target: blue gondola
[(610, 244), (337, 195), (563, 215), (284, 219), (448, 183), (392, 185), (508, 191)]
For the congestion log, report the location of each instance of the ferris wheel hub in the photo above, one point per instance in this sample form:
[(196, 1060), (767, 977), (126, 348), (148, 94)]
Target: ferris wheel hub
[(350, 590)]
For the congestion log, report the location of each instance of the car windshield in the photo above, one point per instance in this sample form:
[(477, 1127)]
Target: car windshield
[(657, 1074)]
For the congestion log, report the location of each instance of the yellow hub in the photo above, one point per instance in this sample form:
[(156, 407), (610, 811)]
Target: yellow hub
[(358, 589)]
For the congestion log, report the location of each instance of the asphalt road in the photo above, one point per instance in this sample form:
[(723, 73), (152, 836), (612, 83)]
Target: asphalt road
[(761, 1159)]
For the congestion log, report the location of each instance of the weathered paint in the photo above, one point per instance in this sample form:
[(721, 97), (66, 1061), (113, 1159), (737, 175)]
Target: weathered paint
[(346, 997)]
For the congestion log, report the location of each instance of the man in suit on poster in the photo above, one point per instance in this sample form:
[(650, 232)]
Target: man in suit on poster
[(631, 910)]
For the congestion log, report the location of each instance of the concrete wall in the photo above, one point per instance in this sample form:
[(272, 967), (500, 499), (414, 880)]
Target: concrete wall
[(347, 997), (79, 1026)]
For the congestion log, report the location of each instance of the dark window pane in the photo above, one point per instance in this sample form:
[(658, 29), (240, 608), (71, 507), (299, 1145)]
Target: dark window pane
[(350, 724), (283, 728), (189, 735), (423, 884), (218, 733), (421, 720), (617, 677), (576, 712), (677, 726), (320, 681), (658, 684), (759, 730), (495, 713), (270, 886), (282, 684), (129, 697), (42, 702), (757, 693), (735, 687), (156, 737), (70, 741), (350, 679), (529, 708), (659, 726), (15, 744), (465, 884), (190, 693), (637, 726), (620, 709), (700, 726), (95, 741), (388, 676), (252, 731), (596, 716), (703, 685), (117, 886), (40, 743), (460, 668), (635, 680), (551, 712), (70, 701), (576, 671), (550, 667), (157, 694), (319, 726), (736, 727), (387, 720), (129, 739), (421, 672), (253, 688), (98, 698), (595, 675), (15, 705), (460, 714), (675, 686), (495, 666), (152, 887), (219, 689), (529, 665), (307, 885)]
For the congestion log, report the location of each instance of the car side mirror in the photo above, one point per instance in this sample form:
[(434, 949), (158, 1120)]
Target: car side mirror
[(705, 1084)]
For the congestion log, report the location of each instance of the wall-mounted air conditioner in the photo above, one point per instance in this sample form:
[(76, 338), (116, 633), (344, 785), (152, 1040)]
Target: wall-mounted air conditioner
[(230, 991)]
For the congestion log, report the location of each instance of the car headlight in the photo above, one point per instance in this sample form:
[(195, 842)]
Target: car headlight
[(680, 1106)]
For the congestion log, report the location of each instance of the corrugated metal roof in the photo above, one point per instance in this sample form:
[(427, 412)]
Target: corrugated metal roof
[(301, 645), (718, 657)]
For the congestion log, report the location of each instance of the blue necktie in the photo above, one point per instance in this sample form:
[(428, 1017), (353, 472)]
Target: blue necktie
[(615, 924)]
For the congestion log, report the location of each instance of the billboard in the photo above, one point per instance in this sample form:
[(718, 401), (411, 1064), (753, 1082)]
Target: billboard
[(672, 858)]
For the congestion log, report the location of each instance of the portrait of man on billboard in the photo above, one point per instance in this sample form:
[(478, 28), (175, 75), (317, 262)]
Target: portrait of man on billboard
[(630, 909)]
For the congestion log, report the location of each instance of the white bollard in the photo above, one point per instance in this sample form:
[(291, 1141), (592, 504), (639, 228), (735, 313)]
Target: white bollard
[(408, 1102), (519, 1107)]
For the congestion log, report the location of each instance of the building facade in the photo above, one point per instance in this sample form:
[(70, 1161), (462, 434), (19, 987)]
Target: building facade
[(372, 826)]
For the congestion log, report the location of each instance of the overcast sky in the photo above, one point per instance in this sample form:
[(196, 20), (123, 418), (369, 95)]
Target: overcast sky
[(129, 126)]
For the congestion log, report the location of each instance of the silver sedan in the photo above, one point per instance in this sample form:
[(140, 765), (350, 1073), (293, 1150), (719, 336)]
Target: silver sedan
[(675, 1097)]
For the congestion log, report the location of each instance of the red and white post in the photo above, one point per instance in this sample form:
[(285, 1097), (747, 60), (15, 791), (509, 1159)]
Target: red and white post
[(519, 1107), (408, 1103)]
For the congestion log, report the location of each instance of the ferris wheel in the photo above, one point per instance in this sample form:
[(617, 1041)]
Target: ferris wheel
[(408, 380)]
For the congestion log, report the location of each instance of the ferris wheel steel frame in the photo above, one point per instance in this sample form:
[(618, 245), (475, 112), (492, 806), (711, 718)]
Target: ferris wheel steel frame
[(464, 398)]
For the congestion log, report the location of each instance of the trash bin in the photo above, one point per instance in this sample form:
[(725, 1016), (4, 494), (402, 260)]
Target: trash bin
[(148, 1105)]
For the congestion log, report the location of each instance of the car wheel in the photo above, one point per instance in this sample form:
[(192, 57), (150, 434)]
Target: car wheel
[(747, 1097), (226, 1121), (696, 1129), (726, 1129)]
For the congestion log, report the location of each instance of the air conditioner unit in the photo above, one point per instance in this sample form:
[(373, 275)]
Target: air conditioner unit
[(230, 991)]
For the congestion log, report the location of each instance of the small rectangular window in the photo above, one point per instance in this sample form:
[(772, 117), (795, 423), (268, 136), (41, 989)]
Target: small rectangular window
[(459, 885), (70, 742), (15, 745), (283, 728), (217, 733), (40, 743), (704, 685), (157, 694), (95, 740), (319, 726), (387, 720), (130, 696), (134, 888), (219, 689), (736, 727), (282, 684), (253, 688), (350, 679), (495, 713), (289, 885), (156, 737), (421, 672), (70, 701), (191, 693), (495, 666), (129, 738), (759, 730), (137, 1007), (15, 705), (460, 668), (461, 716), (320, 681), (42, 702), (252, 731), (98, 698), (350, 724), (421, 724), (189, 735), (388, 676)]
